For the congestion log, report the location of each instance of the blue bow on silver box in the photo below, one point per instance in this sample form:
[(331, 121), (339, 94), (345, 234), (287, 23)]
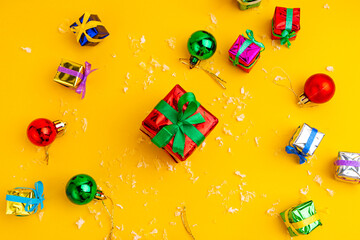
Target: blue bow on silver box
[(304, 142)]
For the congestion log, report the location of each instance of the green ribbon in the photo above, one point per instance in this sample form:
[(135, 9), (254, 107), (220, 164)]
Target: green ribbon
[(246, 44), (287, 33), (182, 124)]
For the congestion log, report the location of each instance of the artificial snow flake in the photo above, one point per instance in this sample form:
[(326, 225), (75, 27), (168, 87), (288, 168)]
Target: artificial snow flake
[(227, 132), (165, 68), (26, 49), (233, 210), (318, 179), (170, 167), (171, 42), (240, 118), (305, 190), (202, 145), (41, 214), (136, 236), (279, 78), (220, 141), (143, 164), (64, 26), (246, 196), (242, 90), (331, 192), (61, 29), (257, 141), (237, 173), (85, 123), (155, 231), (213, 18), (274, 44), (271, 211), (330, 68), (177, 213), (155, 63), (165, 236), (80, 222), (142, 65), (120, 228)]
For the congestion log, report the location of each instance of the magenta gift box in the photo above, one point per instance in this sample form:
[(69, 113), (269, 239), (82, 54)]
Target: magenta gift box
[(248, 58)]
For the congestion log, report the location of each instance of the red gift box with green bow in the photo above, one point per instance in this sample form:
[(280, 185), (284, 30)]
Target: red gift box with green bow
[(285, 24), (179, 124)]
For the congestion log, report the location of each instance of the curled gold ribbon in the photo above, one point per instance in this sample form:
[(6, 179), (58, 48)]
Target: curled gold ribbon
[(185, 223), (219, 80), (111, 214), (46, 159), (85, 25)]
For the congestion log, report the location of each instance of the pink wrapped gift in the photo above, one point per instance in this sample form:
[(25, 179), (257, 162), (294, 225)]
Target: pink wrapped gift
[(245, 52)]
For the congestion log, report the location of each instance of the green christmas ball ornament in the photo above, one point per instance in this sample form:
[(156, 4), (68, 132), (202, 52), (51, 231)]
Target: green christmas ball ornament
[(82, 189), (201, 46)]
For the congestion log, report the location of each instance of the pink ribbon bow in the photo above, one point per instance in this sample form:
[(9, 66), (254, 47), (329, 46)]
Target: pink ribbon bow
[(82, 86)]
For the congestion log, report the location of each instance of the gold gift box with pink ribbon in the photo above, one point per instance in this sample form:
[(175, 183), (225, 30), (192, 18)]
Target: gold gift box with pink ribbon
[(73, 75)]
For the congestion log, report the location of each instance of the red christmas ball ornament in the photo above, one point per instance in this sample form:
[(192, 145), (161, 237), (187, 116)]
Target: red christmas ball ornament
[(319, 88), (42, 132)]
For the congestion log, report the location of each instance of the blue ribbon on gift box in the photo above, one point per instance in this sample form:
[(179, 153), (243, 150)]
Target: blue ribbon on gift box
[(33, 202), (304, 152)]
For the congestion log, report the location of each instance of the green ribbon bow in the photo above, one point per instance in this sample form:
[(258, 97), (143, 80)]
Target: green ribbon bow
[(246, 44), (287, 33), (182, 124)]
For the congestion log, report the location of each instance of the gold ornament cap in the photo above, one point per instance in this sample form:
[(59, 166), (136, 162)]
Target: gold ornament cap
[(60, 127), (303, 99), (100, 195)]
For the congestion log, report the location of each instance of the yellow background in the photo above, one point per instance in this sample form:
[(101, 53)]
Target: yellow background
[(112, 145)]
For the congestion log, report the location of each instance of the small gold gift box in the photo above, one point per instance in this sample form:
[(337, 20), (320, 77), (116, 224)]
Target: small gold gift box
[(69, 73), (17, 208)]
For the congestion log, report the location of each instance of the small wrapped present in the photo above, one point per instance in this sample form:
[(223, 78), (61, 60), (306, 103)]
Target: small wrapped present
[(25, 201), (179, 124), (73, 75), (348, 167), (89, 30), (304, 142), (246, 4), (245, 52), (285, 24), (302, 219)]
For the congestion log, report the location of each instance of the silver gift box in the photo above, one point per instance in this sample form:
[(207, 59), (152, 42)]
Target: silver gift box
[(301, 137), (348, 173)]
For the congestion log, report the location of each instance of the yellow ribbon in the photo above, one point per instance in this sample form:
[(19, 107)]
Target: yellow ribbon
[(242, 2), (301, 224), (85, 25)]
